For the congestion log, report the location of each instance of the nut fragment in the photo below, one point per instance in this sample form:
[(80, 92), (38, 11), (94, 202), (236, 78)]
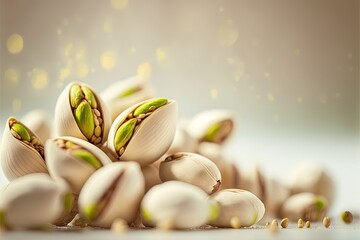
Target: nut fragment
[(235, 222), (274, 227), (307, 224), (347, 217), (267, 224), (119, 226), (191, 168), (326, 222), (300, 223), (284, 222)]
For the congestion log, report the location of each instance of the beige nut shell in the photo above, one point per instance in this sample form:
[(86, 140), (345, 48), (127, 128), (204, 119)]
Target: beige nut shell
[(39, 122), (180, 204), (240, 204), (125, 198), (17, 158), (151, 176), (193, 169), (65, 123), (74, 171), (152, 138), (32, 201)]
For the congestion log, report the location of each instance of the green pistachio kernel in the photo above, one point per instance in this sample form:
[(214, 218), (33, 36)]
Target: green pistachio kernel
[(124, 133), (150, 105), (214, 211), (85, 119), (87, 157), (90, 212), (212, 131), (146, 214), (320, 204), (68, 202), (128, 92), (21, 130), (76, 95), (89, 95)]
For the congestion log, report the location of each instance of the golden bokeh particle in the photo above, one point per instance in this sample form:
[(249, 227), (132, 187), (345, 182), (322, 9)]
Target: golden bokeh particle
[(144, 70), (119, 4), (64, 73), (160, 55), (16, 104), (108, 60), (228, 34), (214, 93), (82, 69), (15, 43), (12, 75), (270, 97), (39, 78)]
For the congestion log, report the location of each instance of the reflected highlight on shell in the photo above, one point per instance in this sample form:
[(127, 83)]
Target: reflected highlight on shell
[(15, 43)]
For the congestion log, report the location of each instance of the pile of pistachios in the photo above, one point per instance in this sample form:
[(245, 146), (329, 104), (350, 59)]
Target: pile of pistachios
[(119, 159)]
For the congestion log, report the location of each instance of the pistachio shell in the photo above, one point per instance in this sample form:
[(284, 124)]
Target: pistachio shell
[(151, 176), (211, 151), (240, 204), (125, 93), (183, 141), (32, 201), (116, 184), (18, 158), (179, 204), (275, 195), (152, 136), (307, 206), (66, 124), (309, 177), (212, 126), (230, 174), (39, 122), (252, 179), (193, 169), (72, 167)]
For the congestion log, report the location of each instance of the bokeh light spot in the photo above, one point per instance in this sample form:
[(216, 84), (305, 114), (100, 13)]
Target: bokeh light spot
[(214, 93), (160, 55), (119, 4), (59, 31), (64, 73), (270, 97), (39, 78), (228, 34), (16, 105), (299, 99), (82, 69), (144, 70), (15, 43), (108, 60), (12, 76)]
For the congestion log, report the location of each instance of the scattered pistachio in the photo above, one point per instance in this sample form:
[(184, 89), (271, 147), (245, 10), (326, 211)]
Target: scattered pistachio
[(267, 224), (307, 224), (235, 222), (326, 222), (284, 222), (347, 217), (119, 226), (300, 223), (274, 227)]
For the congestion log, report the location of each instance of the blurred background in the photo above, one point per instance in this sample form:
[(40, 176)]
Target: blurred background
[(290, 69)]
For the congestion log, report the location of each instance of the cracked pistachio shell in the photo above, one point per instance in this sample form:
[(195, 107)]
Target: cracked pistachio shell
[(307, 206), (237, 203), (126, 93), (17, 158), (32, 201), (151, 176), (66, 123), (275, 195), (150, 139), (179, 204), (183, 141), (39, 122), (193, 169), (66, 165), (309, 177), (212, 126), (114, 191)]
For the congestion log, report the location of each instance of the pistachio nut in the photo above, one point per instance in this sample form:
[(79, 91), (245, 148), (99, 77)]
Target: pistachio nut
[(211, 151), (326, 222), (149, 126), (230, 174), (73, 160), (183, 141), (308, 206), (274, 197), (214, 126), (175, 205), (309, 177), (39, 122), (193, 169), (81, 113), (347, 217), (32, 201), (21, 151), (237, 203), (126, 93), (151, 176), (116, 184)]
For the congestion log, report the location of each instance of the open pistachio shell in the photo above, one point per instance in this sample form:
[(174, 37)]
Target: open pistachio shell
[(112, 192), (309, 177), (175, 205), (237, 204), (39, 122), (151, 176), (73, 160), (307, 206), (81, 113), (150, 137), (19, 156), (212, 126), (193, 169), (125, 93), (32, 201)]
